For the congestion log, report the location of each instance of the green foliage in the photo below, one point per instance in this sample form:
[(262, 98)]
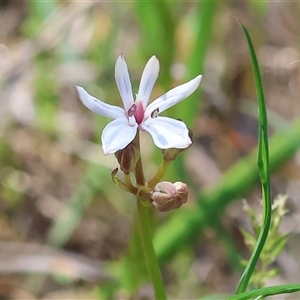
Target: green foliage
[(263, 163), (268, 291), (45, 96), (72, 214), (274, 243), (157, 27), (184, 33)]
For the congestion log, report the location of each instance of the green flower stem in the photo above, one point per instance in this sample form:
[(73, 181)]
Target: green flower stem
[(161, 171), (129, 183), (145, 232), (144, 228)]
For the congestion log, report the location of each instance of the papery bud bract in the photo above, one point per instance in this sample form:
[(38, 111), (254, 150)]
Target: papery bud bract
[(172, 153), (128, 157), (167, 196), (119, 182)]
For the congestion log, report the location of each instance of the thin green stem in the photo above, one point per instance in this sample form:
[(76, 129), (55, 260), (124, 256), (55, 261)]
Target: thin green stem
[(129, 183), (145, 232), (144, 228), (161, 171)]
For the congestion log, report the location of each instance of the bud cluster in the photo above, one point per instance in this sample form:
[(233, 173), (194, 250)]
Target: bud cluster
[(162, 195)]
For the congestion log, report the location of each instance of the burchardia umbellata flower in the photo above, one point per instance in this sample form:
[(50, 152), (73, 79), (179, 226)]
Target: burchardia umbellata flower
[(136, 115)]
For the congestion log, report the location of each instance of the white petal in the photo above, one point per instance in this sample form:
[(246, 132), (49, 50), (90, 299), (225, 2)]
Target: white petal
[(167, 132), (123, 82), (173, 96), (98, 106), (117, 135), (148, 79)]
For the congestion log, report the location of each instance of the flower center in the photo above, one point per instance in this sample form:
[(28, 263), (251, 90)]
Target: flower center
[(137, 110)]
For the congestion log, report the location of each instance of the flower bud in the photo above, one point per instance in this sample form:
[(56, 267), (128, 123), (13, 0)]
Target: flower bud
[(172, 153), (128, 157), (167, 196)]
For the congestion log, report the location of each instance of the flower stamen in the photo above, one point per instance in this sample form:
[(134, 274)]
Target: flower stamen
[(131, 111), (155, 113)]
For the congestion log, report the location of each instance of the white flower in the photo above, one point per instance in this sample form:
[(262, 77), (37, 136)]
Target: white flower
[(166, 132)]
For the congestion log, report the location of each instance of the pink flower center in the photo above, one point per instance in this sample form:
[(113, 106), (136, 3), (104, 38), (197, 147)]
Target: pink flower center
[(137, 110)]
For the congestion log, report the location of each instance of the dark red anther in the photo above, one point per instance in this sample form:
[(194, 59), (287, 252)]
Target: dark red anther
[(131, 110), (155, 113)]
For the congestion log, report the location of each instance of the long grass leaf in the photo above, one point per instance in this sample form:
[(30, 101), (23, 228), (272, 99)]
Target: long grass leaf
[(268, 291), (263, 168)]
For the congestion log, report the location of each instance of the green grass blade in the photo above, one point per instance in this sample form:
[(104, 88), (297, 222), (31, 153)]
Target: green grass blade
[(264, 170), (70, 217), (189, 109), (206, 13), (268, 291), (157, 26)]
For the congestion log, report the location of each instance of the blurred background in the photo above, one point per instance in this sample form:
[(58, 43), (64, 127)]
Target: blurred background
[(64, 225)]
